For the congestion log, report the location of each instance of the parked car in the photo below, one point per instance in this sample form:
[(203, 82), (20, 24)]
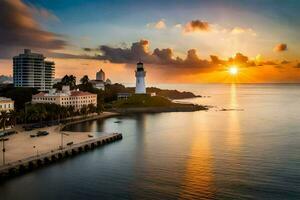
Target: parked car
[(42, 133)]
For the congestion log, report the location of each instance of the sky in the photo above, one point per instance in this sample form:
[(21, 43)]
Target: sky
[(179, 41)]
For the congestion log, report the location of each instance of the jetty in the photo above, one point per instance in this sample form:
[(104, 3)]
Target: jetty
[(33, 162)]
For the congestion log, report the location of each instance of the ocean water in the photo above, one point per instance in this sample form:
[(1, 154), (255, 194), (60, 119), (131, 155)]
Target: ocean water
[(251, 151)]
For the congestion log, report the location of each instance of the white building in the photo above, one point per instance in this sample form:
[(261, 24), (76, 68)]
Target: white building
[(32, 70), (100, 75), (100, 81), (98, 84), (66, 97), (6, 104), (140, 74)]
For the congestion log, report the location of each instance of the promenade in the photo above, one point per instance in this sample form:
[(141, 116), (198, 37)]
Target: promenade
[(21, 145)]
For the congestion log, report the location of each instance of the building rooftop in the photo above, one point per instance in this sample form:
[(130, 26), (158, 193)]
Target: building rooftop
[(58, 94), (5, 99)]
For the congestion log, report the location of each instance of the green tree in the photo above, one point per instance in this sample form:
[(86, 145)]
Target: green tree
[(84, 80), (4, 117), (66, 80), (13, 115), (92, 108), (84, 110)]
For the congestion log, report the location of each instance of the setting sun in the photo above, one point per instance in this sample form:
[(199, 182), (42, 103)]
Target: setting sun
[(233, 70)]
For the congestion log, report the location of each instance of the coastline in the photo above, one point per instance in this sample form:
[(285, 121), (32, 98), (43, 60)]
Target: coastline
[(94, 117), (177, 108)]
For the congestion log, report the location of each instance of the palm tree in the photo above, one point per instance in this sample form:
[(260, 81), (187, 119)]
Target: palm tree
[(72, 82), (84, 80), (84, 110), (42, 113), (91, 108), (4, 117), (69, 80), (13, 118)]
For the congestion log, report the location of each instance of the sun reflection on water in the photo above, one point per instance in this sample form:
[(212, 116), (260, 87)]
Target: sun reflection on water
[(233, 136), (198, 178)]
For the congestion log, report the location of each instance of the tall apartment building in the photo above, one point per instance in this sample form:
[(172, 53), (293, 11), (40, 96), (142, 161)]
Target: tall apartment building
[(32, 70)]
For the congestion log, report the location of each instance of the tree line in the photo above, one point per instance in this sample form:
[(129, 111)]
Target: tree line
[(39, 113)]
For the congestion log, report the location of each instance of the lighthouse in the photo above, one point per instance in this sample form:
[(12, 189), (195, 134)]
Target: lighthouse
[(140, 74)]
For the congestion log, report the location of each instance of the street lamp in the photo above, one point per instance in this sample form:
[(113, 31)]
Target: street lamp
[(3, 149), (37, 151), (62, 141)]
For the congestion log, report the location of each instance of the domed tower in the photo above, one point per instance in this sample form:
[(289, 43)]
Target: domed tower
[(100, 76), (140, 74)]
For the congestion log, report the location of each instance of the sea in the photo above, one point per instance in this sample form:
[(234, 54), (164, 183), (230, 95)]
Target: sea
[(246, 146)]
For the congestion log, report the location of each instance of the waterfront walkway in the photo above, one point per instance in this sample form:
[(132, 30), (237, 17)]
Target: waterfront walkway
[(53, 155)]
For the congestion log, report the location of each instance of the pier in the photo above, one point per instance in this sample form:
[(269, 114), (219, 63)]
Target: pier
[(33, 162)]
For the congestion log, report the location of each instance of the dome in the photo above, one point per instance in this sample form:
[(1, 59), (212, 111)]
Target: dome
[(100, 75)]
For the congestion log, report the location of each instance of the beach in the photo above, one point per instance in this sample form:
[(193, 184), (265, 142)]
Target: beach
[(21, 145)]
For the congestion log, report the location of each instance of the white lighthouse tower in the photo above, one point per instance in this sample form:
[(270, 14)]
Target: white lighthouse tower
[(140, 74)]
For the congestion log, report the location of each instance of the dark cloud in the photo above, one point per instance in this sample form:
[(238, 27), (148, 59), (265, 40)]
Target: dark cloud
[(279, 66), (165, 59), (139, 51), (297, 65), (280, 47), (19, 29), (284, 62), (268, 62), (197, 25)]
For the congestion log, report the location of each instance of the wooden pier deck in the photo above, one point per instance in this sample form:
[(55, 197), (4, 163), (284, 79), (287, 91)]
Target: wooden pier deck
[(30, 163)]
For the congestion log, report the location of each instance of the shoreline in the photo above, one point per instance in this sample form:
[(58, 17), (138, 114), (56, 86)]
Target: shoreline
[(177, 108), (103, 115)]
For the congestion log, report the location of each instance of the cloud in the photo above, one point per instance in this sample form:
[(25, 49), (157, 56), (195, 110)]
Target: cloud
[(42, 13), (158, 25), (297, 66), (280, 47), (284, 62), (178, 25), (197, 26), (240, 30), (158, 57), (165, 60), (19, 29)]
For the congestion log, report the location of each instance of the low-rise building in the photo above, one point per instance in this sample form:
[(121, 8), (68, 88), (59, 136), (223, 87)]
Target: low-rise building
[(123, 95), (66, 97), (6, 104)]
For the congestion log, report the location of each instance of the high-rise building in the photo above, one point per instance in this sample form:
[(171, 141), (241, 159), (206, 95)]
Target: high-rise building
[(32, 70), (140, 74)]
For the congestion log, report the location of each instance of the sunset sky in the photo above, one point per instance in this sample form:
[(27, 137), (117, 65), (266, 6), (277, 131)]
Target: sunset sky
[(179, 41)]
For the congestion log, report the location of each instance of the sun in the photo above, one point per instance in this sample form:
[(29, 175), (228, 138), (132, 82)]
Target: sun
[(233, 70)]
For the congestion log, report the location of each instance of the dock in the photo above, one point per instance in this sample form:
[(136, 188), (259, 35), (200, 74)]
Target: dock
[(33, 162)]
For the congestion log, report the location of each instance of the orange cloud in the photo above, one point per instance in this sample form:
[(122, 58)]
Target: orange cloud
[(161, 24), (280, 47), (197, 26), (19, 29)]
